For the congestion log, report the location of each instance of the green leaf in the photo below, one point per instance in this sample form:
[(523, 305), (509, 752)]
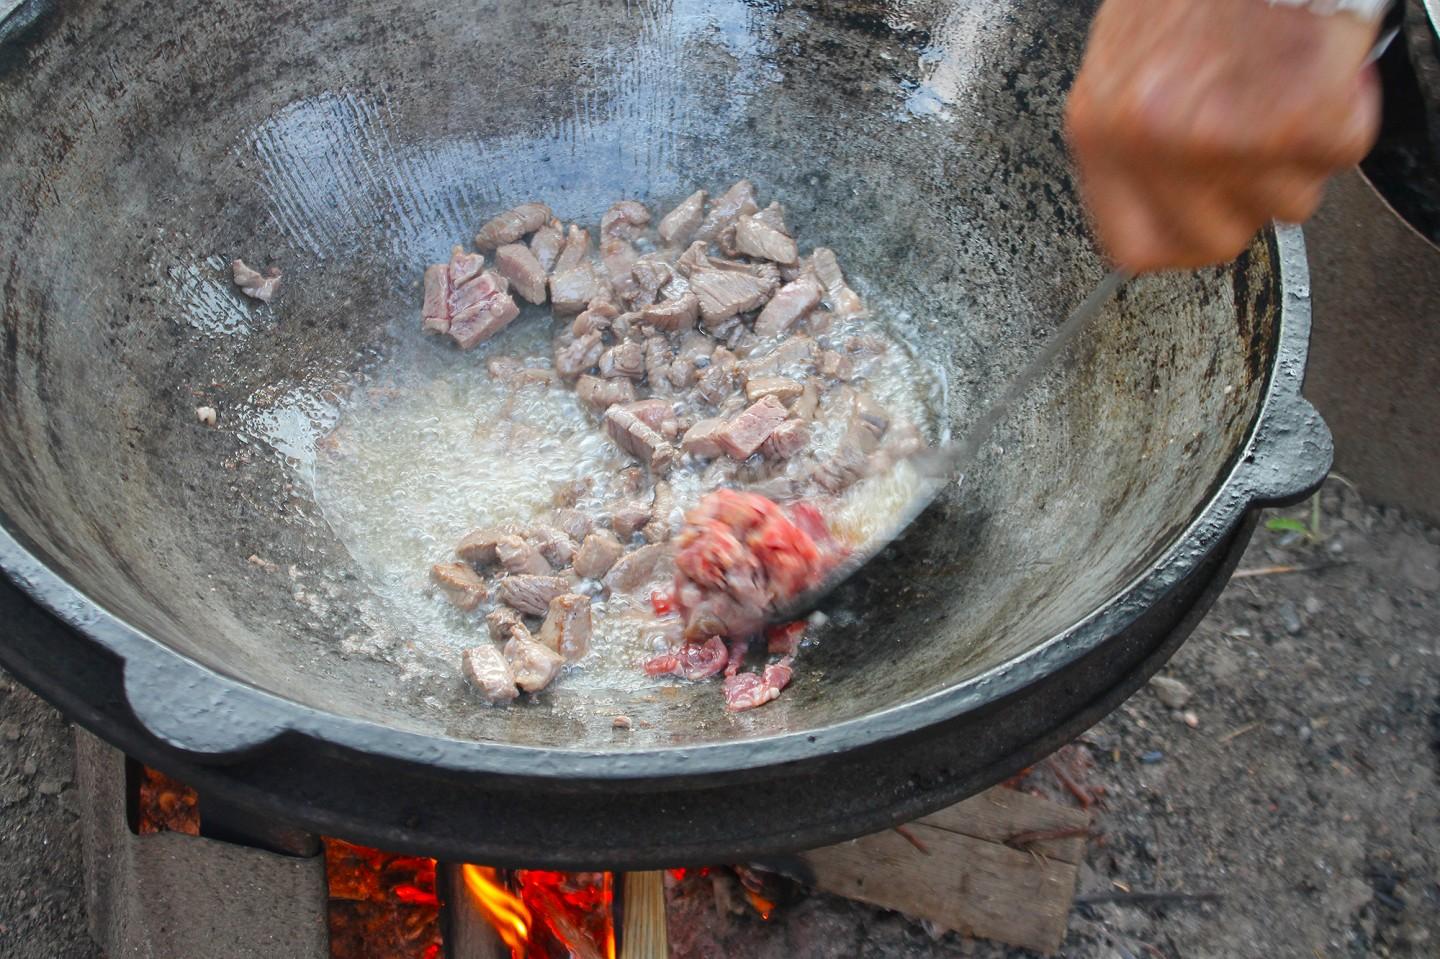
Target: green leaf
[(1284, 524)]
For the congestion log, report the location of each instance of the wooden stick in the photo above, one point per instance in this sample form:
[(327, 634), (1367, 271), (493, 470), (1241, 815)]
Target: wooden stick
[(645, 934)]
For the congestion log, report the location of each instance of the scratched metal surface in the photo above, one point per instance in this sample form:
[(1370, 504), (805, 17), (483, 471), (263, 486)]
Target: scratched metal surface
[(148, 144)]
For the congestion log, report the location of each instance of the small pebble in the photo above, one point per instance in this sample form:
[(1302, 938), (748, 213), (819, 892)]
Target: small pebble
[(28, 768), (1312, 605), (206, 415), (11, 731), (620, 722), (1171, 692), (1152, 757), (1191, 719), (1290, 618), (51, 787)]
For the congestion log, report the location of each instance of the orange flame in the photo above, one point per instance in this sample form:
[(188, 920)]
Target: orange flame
[(500, 907)]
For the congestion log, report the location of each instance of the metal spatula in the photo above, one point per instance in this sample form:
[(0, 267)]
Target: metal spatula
[(940, 465)]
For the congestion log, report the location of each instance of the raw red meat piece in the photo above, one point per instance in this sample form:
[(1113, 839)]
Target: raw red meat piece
[(750, 690), (692, 661)]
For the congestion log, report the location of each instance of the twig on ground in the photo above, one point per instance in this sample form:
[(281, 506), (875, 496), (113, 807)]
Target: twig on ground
[(913, 839), (1239, 731)]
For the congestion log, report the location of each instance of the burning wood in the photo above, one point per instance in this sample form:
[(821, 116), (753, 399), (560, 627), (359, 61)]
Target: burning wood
[(540, 914), (166, 805), (382, 905)]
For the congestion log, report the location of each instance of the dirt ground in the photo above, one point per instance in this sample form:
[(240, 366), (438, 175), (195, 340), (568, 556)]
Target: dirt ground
[(1290, 794)]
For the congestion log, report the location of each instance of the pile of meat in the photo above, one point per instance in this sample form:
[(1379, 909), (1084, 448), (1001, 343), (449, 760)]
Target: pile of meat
[(715, 357)]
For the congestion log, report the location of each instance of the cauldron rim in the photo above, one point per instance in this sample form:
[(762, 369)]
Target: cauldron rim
[(215, 718)]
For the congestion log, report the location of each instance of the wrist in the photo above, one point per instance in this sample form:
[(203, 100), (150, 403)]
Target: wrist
[(1369, 11)]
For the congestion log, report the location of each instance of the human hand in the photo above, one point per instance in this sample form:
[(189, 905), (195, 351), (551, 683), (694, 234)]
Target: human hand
[(1195, 122)]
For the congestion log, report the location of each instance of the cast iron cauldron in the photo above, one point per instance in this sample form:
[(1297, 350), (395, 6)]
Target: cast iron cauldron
[(146, 144)]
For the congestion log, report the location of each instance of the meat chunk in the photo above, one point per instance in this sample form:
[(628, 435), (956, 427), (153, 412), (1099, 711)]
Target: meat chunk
[(681, 222), (673, 315), (575, 251), (519, 556), (781, 387), (752, 690), (807, 402), (755, 237), (619, 259), (252, 283), (516, 263), (553, 543), (512, 225), (479, 546), (835, 365), (569, 493), (573, 523), (841, 299), (735, 202), (631, 434), (742, 436), (485, 668), (626, 518), (547, 243), (572, 290), (661, 508), (702, 439), (530, 593), (793, 301), (465, 302), (790, 357), (691, 661), (645, 565), (480, 309), (868, 420), (567, 626), (723, 294), (533, 665), (597, 317), (647, 277), (623, 359), (597, 554), (502, 621), (575, 355), (652, 412), (460, 584), (789, 438), (715, 383), (626, 219), (601, 394)]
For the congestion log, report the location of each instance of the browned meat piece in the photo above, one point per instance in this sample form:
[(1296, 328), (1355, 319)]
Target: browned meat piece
[(682, 373), (626, 219), (696, 347), (516, 263), (807, 403), (781, 387), (631, 434), (742, 436), (573, 523), (851, 459), (575, 355), (547, 243), (618, 258), (865, 345), (485, 668), (693, 260), (716, 382), (701, 439), (480, 309), (768, 272), (435, 312), (673, 315), (657, 361), (789, 438), (572, 290), (575, 251), (623, 359), (460, 584), (652, 412), (478, 546), (597, 554), (512, 225), (502, 621), (553, 543), (648, 564), (530, 594), (870, 421), (648, 275), (661, 508), (257, 286), (627, 518), (681, 222), (788, 306), (773, 216), (601, 394), (724, 294), (597, 317), (840, 298), (568, 494), (793, 356), (567, 626), (533, 665), (835, 365), (754, 237), (735, 202), (519, 556), (464, 267)]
